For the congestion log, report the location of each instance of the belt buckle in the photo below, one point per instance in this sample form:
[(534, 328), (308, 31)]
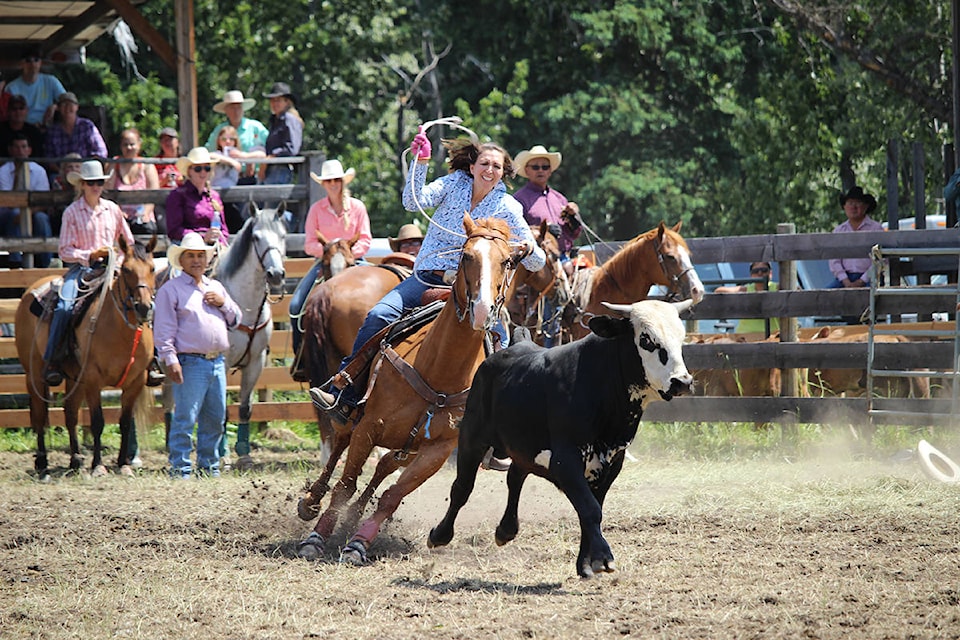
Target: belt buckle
[(211, 355)]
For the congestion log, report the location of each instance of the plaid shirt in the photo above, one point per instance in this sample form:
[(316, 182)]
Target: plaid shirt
[(86, 229), (85, 140)]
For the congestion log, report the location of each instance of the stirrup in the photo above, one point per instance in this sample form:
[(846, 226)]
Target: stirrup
[(325, 400)]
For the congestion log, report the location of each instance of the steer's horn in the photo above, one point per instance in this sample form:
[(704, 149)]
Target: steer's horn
[(622, 309), (684, 305)]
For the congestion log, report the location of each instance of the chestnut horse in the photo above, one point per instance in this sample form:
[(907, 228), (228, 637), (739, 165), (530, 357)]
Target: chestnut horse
[(337, 254), (415, 409), (114, 345), (531, 291), (658, 257), (333, 315)]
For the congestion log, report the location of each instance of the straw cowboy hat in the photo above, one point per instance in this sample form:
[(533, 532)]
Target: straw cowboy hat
[(407, 232), (536, 151), (856, 193), (192, 241), (234, 97), (331, 170), (89, 170), (197, 155)]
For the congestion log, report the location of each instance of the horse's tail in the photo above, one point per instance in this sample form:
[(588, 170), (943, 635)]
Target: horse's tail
[(143, 413), (316, 339)]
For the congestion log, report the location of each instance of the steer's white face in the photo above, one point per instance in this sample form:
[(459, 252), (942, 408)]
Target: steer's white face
[(658, 334)]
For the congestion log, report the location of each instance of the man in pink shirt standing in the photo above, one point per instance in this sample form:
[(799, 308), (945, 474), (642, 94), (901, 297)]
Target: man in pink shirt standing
[(91, 227), (192, 316), (854, 272)]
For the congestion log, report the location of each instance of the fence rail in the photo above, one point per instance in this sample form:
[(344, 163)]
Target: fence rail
[(781, 248)]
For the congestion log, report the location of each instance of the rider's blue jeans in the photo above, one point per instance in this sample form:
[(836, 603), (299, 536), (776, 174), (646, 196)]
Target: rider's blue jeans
[(202, 400)]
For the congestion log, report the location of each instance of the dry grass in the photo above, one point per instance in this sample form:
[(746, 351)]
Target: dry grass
[(823, 548)]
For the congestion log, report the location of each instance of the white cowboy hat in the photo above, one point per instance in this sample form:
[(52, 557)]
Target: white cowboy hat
[(331, 170), (197, 155), (234, 97), (407, 232), (192, 241), (536, 151), (89, 170)]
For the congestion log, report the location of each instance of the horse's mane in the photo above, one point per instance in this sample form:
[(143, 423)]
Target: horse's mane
[(240, 247), (621, 267), (140, 252)]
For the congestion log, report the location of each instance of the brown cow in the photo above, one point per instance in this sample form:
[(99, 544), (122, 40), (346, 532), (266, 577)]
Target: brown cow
[(852, 382), (736, 382)]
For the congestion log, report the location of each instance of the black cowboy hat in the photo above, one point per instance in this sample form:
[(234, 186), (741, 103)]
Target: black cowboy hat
[(856, 193), (280, 89)]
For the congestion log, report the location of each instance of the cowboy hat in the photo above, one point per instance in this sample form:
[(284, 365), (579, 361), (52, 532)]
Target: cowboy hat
[(279, 89), (856, 193), (169, 132), (536, 151), (192, 241), (197, 155), (68, 96), (331, 170), (89, 170), (234, 97), (407, 232)]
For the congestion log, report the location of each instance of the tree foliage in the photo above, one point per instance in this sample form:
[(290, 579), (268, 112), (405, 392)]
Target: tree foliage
[(730, 115)]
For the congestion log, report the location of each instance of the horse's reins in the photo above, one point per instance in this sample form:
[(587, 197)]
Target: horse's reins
[(252, 330)]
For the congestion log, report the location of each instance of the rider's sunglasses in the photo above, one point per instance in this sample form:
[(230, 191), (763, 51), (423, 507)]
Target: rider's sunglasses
[(759, 271), (538, 167), (201, 168)]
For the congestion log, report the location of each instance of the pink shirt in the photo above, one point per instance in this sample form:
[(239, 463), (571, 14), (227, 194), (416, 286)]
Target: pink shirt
[(86, 229), (322, 217), (184, 323), (840, 267)]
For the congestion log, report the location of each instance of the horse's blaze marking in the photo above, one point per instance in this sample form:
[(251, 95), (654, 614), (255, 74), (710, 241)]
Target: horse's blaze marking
[(337, 263), (484, 295), (543, 459)]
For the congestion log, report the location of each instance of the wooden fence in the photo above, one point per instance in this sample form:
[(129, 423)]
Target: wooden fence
[(784, 304)]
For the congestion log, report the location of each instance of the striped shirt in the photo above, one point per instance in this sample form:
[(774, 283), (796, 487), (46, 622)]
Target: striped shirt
[(86, 229)]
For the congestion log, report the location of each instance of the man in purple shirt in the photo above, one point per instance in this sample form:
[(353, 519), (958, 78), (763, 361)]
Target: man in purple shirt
[(192, 316), (854, 272), (540, 202)]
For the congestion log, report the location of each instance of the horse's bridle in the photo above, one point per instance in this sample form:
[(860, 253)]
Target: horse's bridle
[(673, 286), (128, 303), (261, 256), (462, 309)]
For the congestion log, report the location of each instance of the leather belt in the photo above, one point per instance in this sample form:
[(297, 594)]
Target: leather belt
[(210, 355)]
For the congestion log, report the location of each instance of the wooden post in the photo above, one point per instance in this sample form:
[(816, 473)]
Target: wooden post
[(788, 326), (948, 168), (893, 191), (186, 74)]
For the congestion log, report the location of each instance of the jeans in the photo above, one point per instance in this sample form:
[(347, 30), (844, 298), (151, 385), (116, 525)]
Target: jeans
[(297, 302), (63, 310), (202, 400), (836, 284), (403, 297), (10, 228)]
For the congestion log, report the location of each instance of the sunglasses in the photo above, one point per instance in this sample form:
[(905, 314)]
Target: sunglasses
[(32, 59), (538, 167), (201, 168), (95, 183), (760, 270)]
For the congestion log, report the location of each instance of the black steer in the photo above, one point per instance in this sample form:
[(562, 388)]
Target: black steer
[(567, 414)]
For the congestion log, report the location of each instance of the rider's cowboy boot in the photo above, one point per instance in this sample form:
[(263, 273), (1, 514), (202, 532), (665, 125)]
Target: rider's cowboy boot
[(52, 374), (155, 377), (339, 405)]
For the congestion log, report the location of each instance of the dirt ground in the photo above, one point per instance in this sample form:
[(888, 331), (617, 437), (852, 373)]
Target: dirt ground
[(812, 549)]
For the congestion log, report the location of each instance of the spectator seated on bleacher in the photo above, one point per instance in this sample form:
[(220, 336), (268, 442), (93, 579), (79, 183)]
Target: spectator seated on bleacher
[(73, 134), (40, 89), (17, 123), (21, 174)]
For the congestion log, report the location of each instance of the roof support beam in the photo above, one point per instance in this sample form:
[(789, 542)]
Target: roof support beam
[(151, 36), (76, 26)]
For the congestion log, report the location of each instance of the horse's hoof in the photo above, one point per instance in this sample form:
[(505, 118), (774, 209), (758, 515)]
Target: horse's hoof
[(99, 471), (127, 471), (308, 508), (312, 547), (354, 553), (244, 463)]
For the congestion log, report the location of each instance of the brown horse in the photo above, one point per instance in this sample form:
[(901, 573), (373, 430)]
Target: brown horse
[(658, 257), (532, 291), (337, 254), (332, 318), (415, 409), (114, 345)]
